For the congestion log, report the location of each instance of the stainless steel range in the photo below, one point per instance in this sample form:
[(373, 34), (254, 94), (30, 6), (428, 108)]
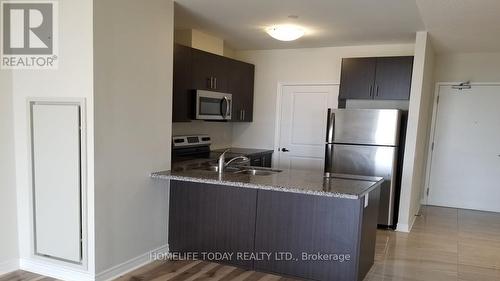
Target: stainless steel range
[(195, 147)]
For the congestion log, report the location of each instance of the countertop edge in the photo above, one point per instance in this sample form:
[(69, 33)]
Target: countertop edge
[(164, 176)]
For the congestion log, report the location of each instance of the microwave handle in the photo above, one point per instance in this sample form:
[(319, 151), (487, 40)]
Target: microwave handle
[(228, 107), (223, 113)]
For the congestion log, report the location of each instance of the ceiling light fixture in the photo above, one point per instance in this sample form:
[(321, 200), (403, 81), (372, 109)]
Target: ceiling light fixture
[(286, 32)]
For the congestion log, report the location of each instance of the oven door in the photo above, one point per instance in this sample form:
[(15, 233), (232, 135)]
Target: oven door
[(213, 105)]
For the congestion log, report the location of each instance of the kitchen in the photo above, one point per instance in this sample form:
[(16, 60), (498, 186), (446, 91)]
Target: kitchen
[(328, 157), (212, 89)]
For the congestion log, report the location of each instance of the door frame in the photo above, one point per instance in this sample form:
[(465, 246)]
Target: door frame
[(279, 99), (435, 108)]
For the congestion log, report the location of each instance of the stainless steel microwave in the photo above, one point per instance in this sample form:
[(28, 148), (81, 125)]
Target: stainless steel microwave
[(213, 105)]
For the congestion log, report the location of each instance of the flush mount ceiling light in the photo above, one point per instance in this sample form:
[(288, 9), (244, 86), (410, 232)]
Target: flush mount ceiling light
[(286, 32)]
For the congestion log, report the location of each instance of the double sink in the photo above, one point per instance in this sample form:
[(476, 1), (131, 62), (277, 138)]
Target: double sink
[(247, 170)]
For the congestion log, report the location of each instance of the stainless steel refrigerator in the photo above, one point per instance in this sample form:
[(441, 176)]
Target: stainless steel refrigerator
[(366, 142)]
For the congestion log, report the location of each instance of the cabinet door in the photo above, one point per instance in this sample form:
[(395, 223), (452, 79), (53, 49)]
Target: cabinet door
[(222, 74), (393, 78), (242, 86), (183, 90), (357, 78), (204, 65), (212, 218), (298, 223), (210, 72), (267, 160), (256, 161)]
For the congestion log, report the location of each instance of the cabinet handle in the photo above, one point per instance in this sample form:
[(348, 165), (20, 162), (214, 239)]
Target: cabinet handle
[(243, 115), (376, 90), (211, 86), (371, 90), (215, 82)]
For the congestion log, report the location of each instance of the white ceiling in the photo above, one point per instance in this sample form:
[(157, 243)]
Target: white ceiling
[(454, 25), (330, 22), (462, 25)]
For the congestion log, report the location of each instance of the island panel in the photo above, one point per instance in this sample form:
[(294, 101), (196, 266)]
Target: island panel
[(298, 223), (212, 218)]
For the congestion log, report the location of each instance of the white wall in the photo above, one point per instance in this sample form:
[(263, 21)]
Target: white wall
[(476, 67), (9, 253), (419, 119), (73, 78), (294, 65), (133, 43)]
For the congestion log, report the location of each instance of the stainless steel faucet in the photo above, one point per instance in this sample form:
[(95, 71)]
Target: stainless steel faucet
[(222, 164)]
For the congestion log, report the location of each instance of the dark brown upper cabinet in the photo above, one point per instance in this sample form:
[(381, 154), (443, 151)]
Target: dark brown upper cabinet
[(357, 78), (384, 78), (198, 70), (183, 96), (210, 72), (241, 86), (393, 78)]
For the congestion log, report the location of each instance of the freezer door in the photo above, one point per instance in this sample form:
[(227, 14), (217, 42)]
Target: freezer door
[(365, 160), (366, 126)]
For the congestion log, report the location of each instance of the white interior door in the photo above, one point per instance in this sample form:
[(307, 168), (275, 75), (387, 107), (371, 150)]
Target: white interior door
[(465, 167), (57, 180), (303, 125)]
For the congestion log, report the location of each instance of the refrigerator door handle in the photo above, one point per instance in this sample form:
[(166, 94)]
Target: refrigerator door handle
[(330, 126), (328, 160)]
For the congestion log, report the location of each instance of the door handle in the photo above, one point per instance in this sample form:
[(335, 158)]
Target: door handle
[(284, 150), (330, 126)]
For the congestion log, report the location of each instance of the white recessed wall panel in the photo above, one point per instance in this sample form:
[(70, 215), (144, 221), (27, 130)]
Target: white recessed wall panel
[(56, 177)]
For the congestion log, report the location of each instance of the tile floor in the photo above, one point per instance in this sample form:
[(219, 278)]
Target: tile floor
[(445, 244)]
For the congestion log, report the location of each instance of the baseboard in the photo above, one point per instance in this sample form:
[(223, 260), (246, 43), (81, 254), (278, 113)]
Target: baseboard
[(54, 271), (403, 227), (406, 227), (68, 274), (9, 266), (130, 265)]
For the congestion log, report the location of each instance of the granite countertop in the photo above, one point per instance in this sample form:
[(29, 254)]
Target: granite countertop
[(296, 181)]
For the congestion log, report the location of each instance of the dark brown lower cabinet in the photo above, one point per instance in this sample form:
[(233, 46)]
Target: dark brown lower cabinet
[(261, 160), (308, 226), (306, 236), (212, 218)]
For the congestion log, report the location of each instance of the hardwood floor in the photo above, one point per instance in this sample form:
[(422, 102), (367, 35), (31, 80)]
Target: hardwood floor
[(445, 244), (21, 275)]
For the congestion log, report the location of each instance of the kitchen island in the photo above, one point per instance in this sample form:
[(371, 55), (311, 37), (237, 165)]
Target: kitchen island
[(292, 222)]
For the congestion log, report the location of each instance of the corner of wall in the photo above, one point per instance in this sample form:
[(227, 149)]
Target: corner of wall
[(418, 131), (9, 244)]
